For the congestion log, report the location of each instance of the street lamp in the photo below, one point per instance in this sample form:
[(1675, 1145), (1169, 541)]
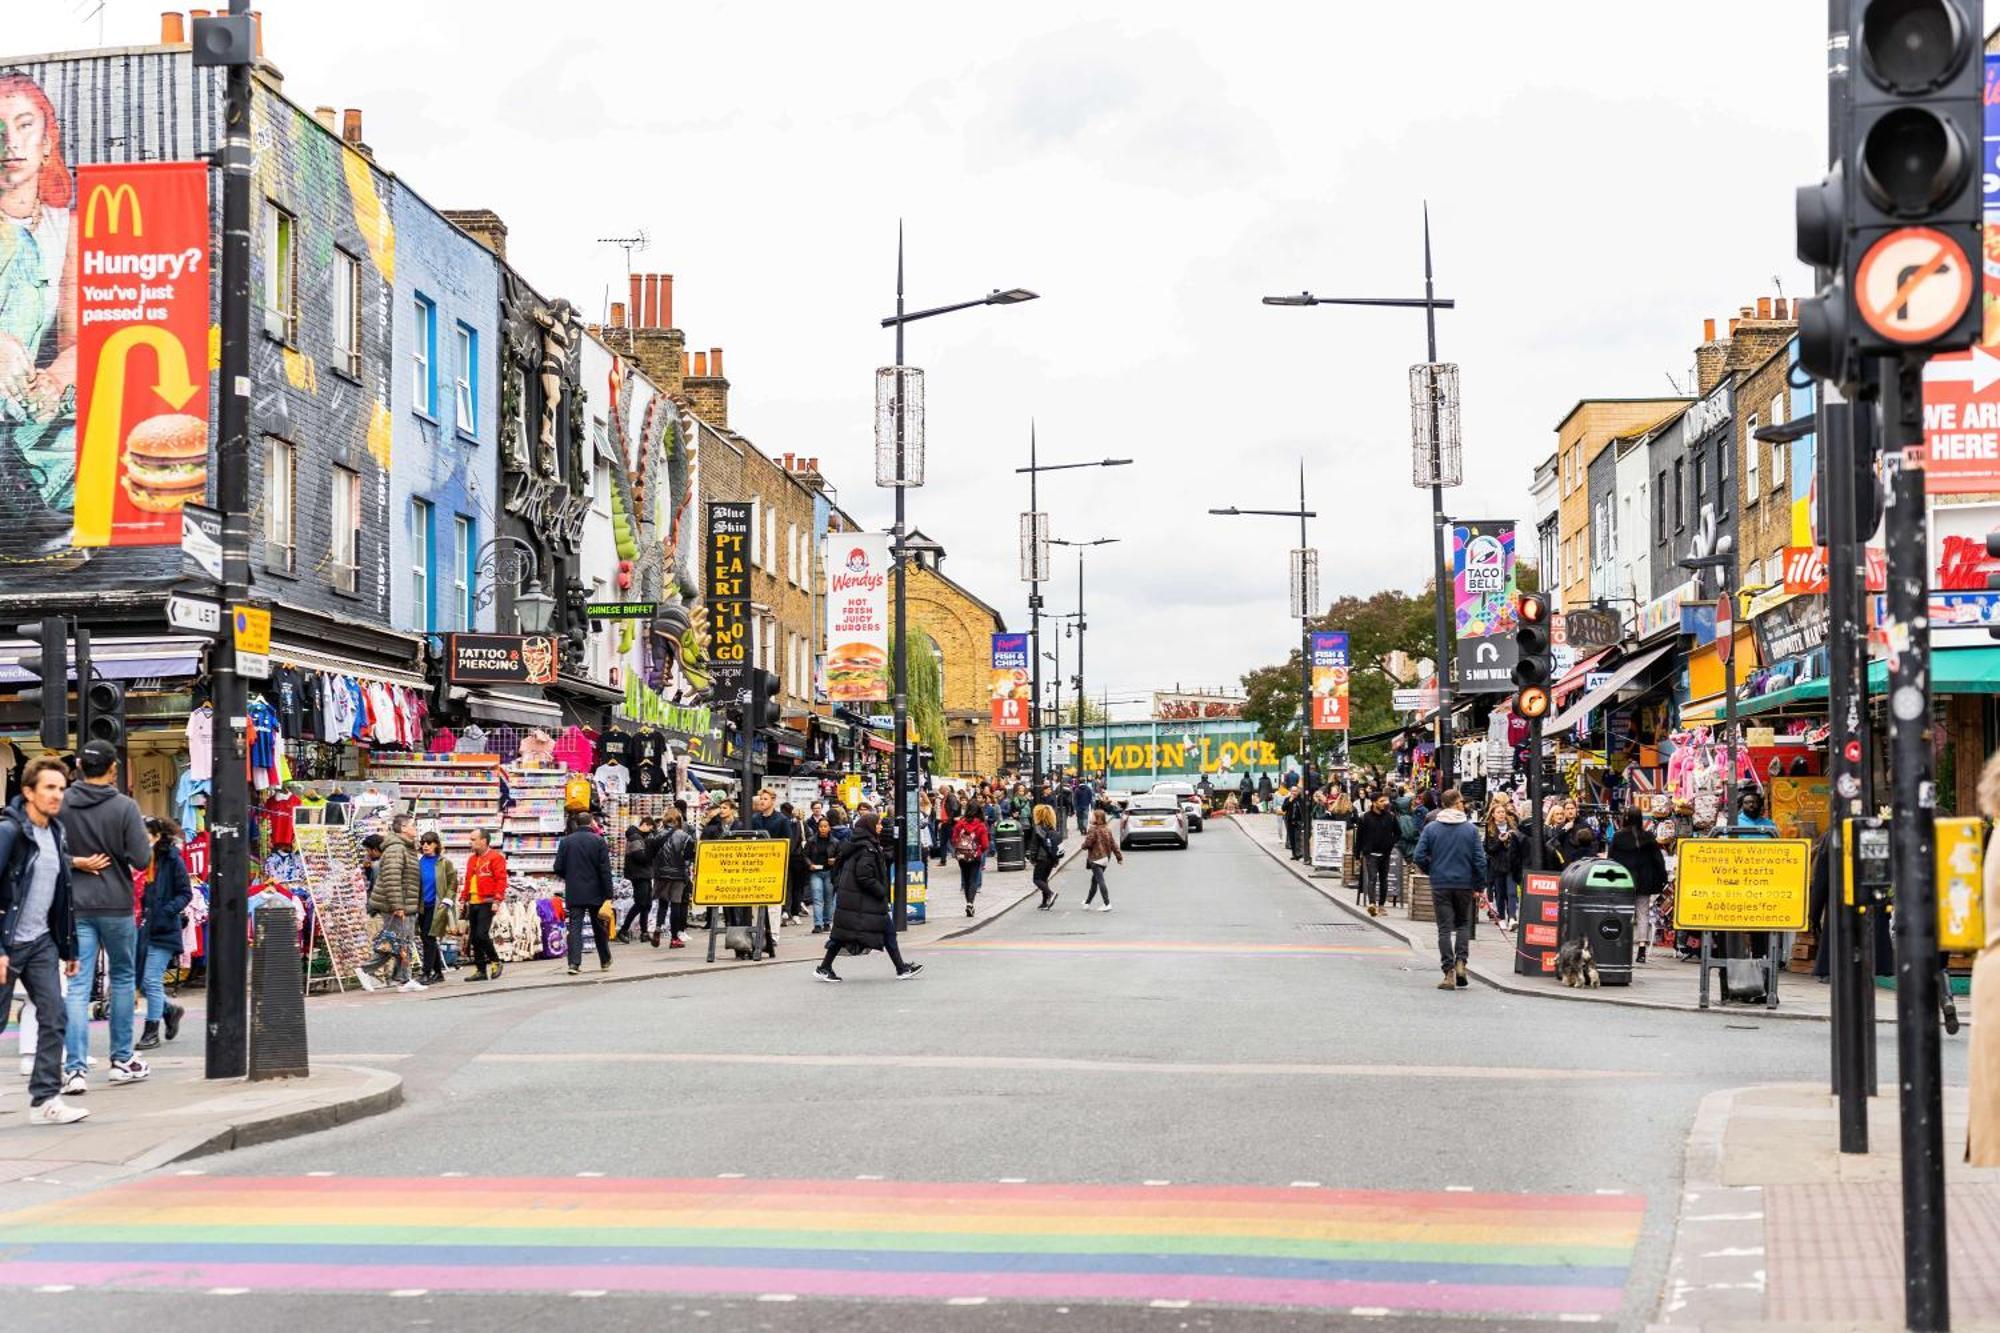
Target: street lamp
[(1034, 570), (510, 560), (1724, 562), (1304, 594), (900, 480), (1081, 626), (1430, 303)]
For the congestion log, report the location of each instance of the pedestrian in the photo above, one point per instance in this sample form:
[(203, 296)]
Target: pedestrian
[(969, 841), (1264, 791), (166, 897), (639, 870), (861, 917), (1100, 844), (1376, 840), (673, 868), (1983, 1062), (38, 936), (439, 878), (1506, 851), (108, 844), (1750, 814), (819, 855), (1635, 848), (766, 817), (795, 865), (1044, 851), (583, 864), (396, 896), (485, 888), (1452, 852), (1084, 798)]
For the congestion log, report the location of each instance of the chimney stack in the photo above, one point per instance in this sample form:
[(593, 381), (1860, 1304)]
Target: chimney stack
[(617, 314), (328, 118), (654, 344), (649, 317), (482, 225), (350, 127), (173, 28), (701, 365)]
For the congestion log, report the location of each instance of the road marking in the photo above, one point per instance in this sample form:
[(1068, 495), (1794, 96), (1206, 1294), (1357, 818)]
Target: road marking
[(729, 1175), (1727, 1217), (868, 1177), (451, 1175), (1156, 1182), (966, 1300), (229, 1291), (590, 1175), (1370, 1311), (1013, 1180), (55, 1288), (589, 1292), (1610, 1191), (778, 1297), (411, 1291), (1458, 1189), (1061, 1064), (319, 1174), (195, 1172), (1736, 1252), (1568, 1318), (1169, 1305), (1305, 1184)]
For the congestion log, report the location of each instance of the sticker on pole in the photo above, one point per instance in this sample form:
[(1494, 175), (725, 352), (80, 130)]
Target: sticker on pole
[(1960, 845), (1742, 884), (740, 872), (1914, 284)]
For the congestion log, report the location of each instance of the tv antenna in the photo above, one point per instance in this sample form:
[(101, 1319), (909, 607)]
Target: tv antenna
[(631, 245)]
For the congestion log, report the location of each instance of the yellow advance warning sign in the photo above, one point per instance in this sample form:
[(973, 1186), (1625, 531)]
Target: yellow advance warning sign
[(740, 872), (1742, 884)]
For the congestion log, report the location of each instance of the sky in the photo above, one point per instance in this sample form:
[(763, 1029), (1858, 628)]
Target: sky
[(1600, 178)]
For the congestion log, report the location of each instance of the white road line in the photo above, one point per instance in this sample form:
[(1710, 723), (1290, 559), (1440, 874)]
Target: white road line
[(589, 1175), (319, 1173), (1170, 1305), (868, 1177), (1610, 1191), (1579, 1318), (589, 1291), (1370, 1311), (778, 1297), (229, 1291), (411, 1291), (1736, 1252), (1013, 1180), (193, 1172), (1458, 1189), (966, 1300), (729, 1175), (451, 1175), (1156, 1182), (55, 1288), (1305, 1184)]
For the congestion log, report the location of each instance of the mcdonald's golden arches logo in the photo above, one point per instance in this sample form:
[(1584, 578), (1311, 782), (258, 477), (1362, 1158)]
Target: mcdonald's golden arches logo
[(114, 198)]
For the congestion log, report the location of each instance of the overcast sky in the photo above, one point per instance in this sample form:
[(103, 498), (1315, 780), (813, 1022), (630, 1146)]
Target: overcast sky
[(1600, 177)]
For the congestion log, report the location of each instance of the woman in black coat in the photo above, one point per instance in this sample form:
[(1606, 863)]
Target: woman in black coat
[(861, 906), (167, 896), (1635, 848)]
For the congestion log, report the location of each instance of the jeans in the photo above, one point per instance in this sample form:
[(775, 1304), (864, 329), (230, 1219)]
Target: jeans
[(580, 920), (822, 896), (1097, 885), (40, 979), (673, 903), (401, 932), (479, 926), (1455, 908), (1500, 892), (1375, 876), (118, 936), (641, 909), (1083, 821), (153, 980)]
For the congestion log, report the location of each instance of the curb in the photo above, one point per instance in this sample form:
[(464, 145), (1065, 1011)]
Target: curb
[(384, 1093), (1513, 987), (981, 923)]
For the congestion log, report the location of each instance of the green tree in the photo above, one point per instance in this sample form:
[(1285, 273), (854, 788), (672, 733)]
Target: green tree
[(927, 726)]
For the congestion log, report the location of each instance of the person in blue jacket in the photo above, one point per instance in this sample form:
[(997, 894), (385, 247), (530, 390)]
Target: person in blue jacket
[(167, 896), (1452, 852)]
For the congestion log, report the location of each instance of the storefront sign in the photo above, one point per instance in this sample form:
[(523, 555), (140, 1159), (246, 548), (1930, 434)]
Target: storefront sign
[(501, 659), (1329, 847), (1541, 915), (1011, 685), (729, 596), (1805, 569), (1329, 680), (1482, 562), (1422, 700), (141, 328), (1742, 884), (740, 872), (857, 619), (1590, 630), (1664, 611), (621, 610), (1961, 863), (1792, 629)]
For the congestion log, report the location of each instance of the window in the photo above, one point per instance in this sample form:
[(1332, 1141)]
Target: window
[(1660, 509), (461, 573), (792, 552), (344, 551), (1752, 461), (347, 311), (281, 274), (771, 546), (1680, 495), (280, 494), (1700, 476), (1780, 474), (467, 380), (756, 551), (423, 558), (423, 359)]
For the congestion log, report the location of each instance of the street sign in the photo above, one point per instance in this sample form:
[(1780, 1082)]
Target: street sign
[(1725, 626), (1413, 701), (1588, 630), (740, 872), (1913, 284), (621, 610), (194, 613), (253, 666), (1741, 883), (1961, 868), (201, 538), (253, 629), (1962, 423)]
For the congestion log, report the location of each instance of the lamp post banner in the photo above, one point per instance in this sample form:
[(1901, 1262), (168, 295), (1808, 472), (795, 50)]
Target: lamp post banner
[(1329, 680), (729, 595), (857, 619), (1010, 682), (1483, 588)]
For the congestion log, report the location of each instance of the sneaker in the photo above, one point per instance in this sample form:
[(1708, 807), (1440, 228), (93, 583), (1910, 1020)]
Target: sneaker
[(134, 1070), (174, 1015), (904, 974), (677, 943), (55, 1111), (75, 1085), (1105, 908), (411, 987), (494, 974), (27, 1066), (1449, 983), (149, 1037), (574, 970), (824, 973), (968, 909), (366, 980)]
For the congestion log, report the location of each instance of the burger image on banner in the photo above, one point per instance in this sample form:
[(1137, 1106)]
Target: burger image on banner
[(856, 672), (166, 462), (857, 623)]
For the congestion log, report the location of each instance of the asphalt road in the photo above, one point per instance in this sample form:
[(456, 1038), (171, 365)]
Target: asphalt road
[(1219, 1106)]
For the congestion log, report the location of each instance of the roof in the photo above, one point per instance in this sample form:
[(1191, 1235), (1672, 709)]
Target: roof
[(1582, 403), (999, 621)]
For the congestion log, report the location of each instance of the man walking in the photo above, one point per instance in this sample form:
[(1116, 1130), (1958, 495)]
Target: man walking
[(396, 896), (38, 927), (1452, 852), (485, 886), (1086, 801), (107, 842), (583, 863)]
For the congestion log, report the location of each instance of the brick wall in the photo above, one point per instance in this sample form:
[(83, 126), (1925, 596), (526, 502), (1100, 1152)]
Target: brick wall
[(734, 469), (1764, 523), (1580, 437), (962, 629)]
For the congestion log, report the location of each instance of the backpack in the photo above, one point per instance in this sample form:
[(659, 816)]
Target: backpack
[(577, 793), (1407, 825), (965, 842)]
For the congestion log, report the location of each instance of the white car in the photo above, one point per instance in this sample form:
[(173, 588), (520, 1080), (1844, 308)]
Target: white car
[(1156, 817), (1189, 798)]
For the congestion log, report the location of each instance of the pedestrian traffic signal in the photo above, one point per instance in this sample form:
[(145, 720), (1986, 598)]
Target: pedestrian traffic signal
[(101, 713), (1532, 655), (767, 700), (49, 665)]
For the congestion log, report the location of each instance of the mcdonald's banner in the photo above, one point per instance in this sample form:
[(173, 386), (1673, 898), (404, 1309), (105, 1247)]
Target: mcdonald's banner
[(142, 316)]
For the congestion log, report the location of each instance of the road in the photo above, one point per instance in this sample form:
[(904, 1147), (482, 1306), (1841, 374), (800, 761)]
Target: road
[(1219, 1106)]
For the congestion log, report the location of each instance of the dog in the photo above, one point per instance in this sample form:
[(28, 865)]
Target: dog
[(1575, 966)]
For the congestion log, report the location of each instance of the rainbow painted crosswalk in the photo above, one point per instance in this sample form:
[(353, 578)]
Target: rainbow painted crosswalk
[(1440, 1253)]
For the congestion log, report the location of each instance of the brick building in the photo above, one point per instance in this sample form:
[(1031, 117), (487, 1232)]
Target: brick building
[(959, 628), (1584, 432)]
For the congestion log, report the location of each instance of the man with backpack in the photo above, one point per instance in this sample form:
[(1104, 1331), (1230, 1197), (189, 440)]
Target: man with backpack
[(1453, 853), (969, 841)]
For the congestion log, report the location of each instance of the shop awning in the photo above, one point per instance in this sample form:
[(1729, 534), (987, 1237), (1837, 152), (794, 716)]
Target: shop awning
[(1577, 674), (164, 658), (1594, 699), (285, 654), (1808, 692), (513, 709), (877, 743), (1953, 671)]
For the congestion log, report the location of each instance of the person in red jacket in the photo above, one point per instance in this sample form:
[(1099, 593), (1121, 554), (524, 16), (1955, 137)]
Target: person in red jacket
[(969, 840), (485, 885)]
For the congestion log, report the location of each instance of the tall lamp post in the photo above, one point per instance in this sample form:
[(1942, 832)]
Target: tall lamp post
[(1056, 658), (1034, 568), (1081, 625), (899, 455), (1305, 594), (1438, 477)]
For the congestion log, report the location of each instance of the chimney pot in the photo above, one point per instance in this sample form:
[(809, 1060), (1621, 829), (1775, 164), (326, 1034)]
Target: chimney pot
[(328, 117), (687, 369), (650, 318), (715, 361), (633, 304), (701, 365), (1778, 308), (1708, 330), (812, 464), (173, 28), (617, 314), (1763, 307), (666, 300), (350, 127), (1732, 327), (788, 463), (198, 13)]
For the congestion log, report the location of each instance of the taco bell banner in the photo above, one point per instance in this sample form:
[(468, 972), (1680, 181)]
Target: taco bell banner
[(857, 618), (1482, 575), (1011, 683), (142, 306), (1329, 680)]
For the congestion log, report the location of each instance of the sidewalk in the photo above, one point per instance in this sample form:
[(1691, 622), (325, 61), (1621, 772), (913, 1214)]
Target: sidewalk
[(1777, 1226), (1663, 982)]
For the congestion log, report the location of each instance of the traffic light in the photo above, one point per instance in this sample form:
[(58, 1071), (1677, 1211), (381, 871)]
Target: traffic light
[(101, 713), (767, 700), (1895, 225), (49, 665), (1532, 660)]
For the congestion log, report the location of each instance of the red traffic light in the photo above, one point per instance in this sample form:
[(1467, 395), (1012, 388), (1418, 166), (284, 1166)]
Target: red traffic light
[(1531, 607)]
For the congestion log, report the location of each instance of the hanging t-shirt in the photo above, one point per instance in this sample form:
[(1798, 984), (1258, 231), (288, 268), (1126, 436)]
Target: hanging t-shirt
[(287, 683), (201, 741), (279, 810), (309, 697), (190, 802), (649, 747), (382, 713), (614, 746), (357, 702), (613, 781), (647, 778)]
